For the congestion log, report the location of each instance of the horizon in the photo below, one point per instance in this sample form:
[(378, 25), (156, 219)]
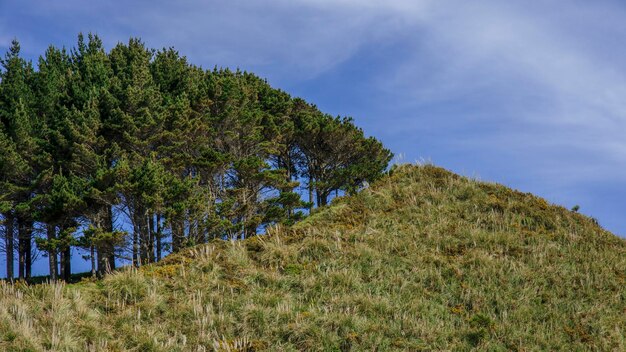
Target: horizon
[(528, 97)]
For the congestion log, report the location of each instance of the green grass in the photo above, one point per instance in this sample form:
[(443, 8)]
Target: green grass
[(422, 260)]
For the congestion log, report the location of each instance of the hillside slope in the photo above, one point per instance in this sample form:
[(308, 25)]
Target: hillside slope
[(422, 260)]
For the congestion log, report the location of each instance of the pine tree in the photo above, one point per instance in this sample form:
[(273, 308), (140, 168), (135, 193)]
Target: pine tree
[(10, 166), (51, 90), (20, 165), (91, 152), (133, 123)]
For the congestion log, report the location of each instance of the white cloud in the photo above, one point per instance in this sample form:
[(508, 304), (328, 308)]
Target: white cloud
[(304, 38), (550, 75), (526, 67)]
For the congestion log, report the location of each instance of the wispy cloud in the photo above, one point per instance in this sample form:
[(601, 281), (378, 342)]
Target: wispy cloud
[(532, 72), (307, 37)]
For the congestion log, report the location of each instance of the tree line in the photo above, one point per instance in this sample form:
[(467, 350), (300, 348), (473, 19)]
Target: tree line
[(135, 152)]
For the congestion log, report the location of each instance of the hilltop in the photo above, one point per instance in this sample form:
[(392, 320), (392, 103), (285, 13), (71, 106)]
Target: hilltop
[(423, 259)]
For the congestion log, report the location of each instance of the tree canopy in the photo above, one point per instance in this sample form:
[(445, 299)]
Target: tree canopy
[(134, 152)]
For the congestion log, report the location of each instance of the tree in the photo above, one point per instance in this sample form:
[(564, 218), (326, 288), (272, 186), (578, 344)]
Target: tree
[(10, 166), (93, 156), (20, 165)]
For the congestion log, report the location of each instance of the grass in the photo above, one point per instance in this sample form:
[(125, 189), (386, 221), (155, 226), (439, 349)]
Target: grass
[(422, 260)]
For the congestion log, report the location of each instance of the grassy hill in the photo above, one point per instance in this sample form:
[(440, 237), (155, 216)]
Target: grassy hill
[(422, 260)]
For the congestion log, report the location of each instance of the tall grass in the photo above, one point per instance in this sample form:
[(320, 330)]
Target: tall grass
[(422, 260)]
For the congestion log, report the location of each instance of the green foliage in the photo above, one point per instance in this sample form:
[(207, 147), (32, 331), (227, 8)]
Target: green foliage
[(97, 237)]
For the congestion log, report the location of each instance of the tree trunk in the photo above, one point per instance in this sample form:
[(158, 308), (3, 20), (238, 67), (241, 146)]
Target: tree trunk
[(193, 235), (101, 262), (144, 239), (141, 237), (159, 245), (105, 251), (52, 252), (92, 249), (101, 248), (65, 254), (111, 248), (9, 220), (24, 234), (29, 250), (135, 248), (311, 194), (61, 262), (67, 264), (152, 236), (322, 198), (177, 235), (136, 230), (288, 179), (21, 257)]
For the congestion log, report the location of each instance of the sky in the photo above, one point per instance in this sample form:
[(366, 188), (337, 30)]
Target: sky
[(531, 95)]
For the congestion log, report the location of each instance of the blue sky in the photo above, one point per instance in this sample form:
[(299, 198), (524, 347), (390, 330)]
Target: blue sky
[(528, 94)]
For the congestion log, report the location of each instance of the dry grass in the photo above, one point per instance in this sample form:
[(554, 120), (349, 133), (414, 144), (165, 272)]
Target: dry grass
[(423, 260)]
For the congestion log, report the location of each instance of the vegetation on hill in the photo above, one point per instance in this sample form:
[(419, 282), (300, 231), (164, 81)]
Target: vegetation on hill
[(422, 260), (133, 153)]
